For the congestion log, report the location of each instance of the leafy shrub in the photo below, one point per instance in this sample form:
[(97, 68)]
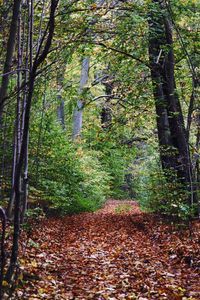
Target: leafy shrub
[(115, 164), (71, 178), (116, 160), (96, 181), (157, 193)]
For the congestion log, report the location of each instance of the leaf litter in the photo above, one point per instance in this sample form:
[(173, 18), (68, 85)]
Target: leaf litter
[(111, 254)]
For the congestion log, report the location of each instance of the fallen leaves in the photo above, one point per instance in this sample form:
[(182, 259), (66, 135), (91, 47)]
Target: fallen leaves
[(109, 255)]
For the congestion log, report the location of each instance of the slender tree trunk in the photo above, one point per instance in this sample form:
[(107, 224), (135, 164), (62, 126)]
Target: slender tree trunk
[(8, 62), (14, 161), (3, 149), (19, 167), (78, 113), (106, 115), (61, 112), (195, 162), (17, 130), (30, 60), (61, 103), (17, 184), (9, 55)]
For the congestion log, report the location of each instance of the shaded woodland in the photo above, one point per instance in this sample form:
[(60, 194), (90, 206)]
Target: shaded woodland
[(99, 99)]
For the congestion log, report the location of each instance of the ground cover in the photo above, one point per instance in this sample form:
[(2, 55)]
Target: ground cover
[(118, 253)]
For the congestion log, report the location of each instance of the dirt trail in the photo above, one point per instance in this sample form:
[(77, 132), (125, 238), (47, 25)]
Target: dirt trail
[(116, 253)]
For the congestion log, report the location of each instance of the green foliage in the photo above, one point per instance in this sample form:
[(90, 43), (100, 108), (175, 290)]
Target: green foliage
[(34, 213), (95, 185), (115, 157), (161, 192), (72, 179), (116, 164)]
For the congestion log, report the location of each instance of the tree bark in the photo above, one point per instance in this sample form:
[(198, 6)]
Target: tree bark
[(19, 167), (61, 103), (175, 115), (9, 55), (78, 112), (170, 122), (156, 57), (17, 129), (106, 114)]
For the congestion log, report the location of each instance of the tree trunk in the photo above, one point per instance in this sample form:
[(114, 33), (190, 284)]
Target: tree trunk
[(156, 57), (61, 103), (106, 114), (19, 167), (17, 129), (170, 123), (78, 113), (9, 55), (175, 115), (29, 63)]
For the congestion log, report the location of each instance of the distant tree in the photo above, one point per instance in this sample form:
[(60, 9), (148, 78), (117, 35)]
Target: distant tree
[(78, 112)]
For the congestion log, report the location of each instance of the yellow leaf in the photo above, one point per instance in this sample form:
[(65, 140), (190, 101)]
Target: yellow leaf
[(34, 264), (93, 6), (41, 290), (5, 283)]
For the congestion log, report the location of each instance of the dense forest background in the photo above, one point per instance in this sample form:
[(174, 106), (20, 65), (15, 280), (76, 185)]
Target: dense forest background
[(98, 99)]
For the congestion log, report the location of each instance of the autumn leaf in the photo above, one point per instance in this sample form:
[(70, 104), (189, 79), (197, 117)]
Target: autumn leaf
[(110, 254)]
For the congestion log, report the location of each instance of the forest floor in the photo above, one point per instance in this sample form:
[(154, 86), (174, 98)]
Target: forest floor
[(116, 253)]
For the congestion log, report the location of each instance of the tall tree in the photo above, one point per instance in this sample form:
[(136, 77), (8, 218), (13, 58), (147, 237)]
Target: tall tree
[(78, 113), (173, 142), (39, 59), (61, 103), (9, 55)]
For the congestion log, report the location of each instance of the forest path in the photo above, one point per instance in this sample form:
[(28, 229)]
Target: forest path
[(116, 253)]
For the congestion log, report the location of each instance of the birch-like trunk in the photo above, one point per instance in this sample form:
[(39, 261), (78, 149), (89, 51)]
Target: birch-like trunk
[(29, 59), (78, 112), (61, 112), (61, 103)]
